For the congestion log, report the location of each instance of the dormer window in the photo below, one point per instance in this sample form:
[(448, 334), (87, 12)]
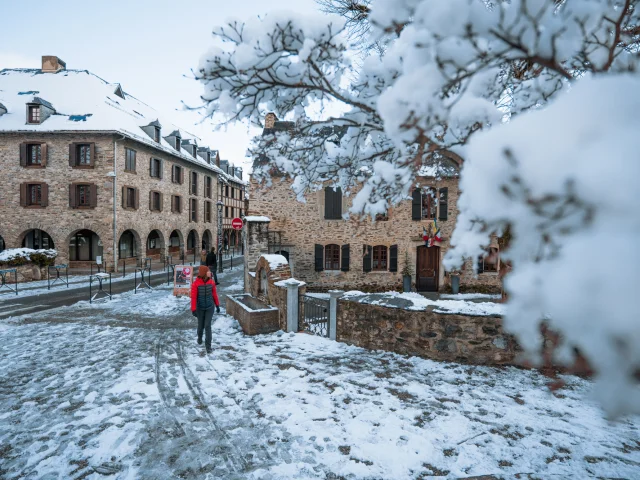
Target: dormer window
[(178, 142), (194, 151), (156, 135), (34, 114)]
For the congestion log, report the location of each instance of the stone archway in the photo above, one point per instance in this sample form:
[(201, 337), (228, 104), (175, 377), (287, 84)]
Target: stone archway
[(155, 246), (207, 240), (36, 239), (85, 245), (175, 245), (129, 245)]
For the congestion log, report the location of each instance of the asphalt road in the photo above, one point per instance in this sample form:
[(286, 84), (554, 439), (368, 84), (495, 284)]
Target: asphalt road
[(61, 296)]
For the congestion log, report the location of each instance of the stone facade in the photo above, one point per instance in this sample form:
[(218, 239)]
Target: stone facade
[(296, 227), (61, 222), (254, 317), (445, 337)]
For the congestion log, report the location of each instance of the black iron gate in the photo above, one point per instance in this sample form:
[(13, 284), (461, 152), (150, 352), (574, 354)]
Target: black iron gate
[(315, 315)]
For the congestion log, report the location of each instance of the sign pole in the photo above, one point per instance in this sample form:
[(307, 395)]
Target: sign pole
[(219, 236)]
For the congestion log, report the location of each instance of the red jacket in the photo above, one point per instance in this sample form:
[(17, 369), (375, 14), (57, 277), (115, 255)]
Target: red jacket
[(194, 292)]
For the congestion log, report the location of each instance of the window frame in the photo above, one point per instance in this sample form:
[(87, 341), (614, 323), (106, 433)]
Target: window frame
[(193, 207), (432, 203), (156, 134), (34, 119), (329, 263), (157, 164), (131, 198), (38, 202), (86, 188), (207, 211), (380, 253), (495, 266), (156, 196), (208, 186), (86, 148), (194, 183), (30, 147), (129, 158)]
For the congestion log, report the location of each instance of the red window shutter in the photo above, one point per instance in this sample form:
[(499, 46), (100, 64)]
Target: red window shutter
[(44, 195), (23, 154), (45, 154), (124, 197), (72, 195), (92, 152), (93, 195), (72, 154), (137, 198), (23, 194)]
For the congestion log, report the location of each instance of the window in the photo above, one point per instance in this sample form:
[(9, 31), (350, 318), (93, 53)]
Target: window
[(178, 142), (194, 183), (490, 262), (207, 211), (332, 257), (207, 186), (379, 260), (34, 154), (176, 204), (332, 203), (129, 160), (130, 201), (226, 191), (83, 195), (156, 202), (424, 204), (233, 192), (156, 134), (34, 114), (194, 210), (240, 213), (155, 169), (83, 154), (176, 174), (34, 194), (226, 212)]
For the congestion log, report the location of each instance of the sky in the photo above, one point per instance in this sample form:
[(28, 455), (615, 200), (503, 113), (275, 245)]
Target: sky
[(149, 47)]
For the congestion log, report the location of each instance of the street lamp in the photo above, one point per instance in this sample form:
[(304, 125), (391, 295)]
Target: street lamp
[(219, 203)]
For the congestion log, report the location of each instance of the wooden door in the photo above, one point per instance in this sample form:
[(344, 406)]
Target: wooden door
[(427, 269)]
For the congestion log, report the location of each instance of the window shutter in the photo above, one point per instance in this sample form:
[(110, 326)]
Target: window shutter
[(151, 201), (393, 258), (366, 260), (136, 194), (328, 203), (93, 195), (72, 154), (72, 195), (181, 175), (23, 193), (480, 264), (161, 201), (416, 205), (345, 258), (319, 258), (44, 192), (337, 201), (45, 154), (173, 203), (23, 154), (160, 168), (151, 167), (196, 208), (443, 203), (92, 152)]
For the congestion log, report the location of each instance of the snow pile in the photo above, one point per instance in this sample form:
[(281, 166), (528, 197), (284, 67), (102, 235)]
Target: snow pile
[(256, 218), (20, 256), (274, 260), (415, 301), (290, 282)]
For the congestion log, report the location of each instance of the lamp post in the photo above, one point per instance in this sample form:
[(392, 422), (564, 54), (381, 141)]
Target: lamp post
[(219, 203)]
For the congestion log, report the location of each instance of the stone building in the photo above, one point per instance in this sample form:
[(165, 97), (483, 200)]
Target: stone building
[(95, 173), (234, 196), (328, 250)]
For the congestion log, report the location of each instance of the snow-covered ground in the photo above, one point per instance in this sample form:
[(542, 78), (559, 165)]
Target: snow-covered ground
[(121, 390)]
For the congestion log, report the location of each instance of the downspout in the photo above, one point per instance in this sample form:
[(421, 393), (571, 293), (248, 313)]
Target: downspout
[(115, 217)]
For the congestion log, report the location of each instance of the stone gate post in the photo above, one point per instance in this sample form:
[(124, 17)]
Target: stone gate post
[(334, 295)]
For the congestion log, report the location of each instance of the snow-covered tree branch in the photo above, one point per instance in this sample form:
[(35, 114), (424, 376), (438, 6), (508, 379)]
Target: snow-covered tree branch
[(562, 75)]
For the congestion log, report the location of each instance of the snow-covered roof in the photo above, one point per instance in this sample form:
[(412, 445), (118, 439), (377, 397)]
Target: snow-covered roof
[(254, 218), (82, 101)]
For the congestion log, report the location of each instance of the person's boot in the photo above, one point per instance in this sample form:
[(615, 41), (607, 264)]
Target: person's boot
[(199, 340), (209, 349)]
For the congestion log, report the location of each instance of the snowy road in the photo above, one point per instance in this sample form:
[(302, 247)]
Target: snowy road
[(120, 390)]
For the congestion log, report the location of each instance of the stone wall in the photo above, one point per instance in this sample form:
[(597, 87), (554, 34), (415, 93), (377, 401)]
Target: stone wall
[(25, 273), (445, 337), (61, 222), (256, 243), (303, 225)]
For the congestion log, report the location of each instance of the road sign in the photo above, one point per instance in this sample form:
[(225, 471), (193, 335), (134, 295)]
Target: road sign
[(236, 223)]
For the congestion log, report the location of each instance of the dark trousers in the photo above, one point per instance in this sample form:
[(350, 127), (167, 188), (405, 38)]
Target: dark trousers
[(212, 269), (204, 323)]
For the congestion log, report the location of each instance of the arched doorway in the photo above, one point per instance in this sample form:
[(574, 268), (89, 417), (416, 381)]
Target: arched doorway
[(127, 247), (37, 239), (175, 244), (206, 240), (84, 246), (192, 241), (2, 245), (155, 243)]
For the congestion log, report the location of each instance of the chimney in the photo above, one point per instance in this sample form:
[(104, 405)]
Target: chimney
[(52, 64), (270, 120)]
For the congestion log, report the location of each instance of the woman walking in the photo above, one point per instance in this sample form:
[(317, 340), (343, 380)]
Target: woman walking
[(203, 299)]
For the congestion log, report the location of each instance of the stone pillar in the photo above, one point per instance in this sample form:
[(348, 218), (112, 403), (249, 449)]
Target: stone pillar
[(256, 243), (293, 308), (334, 295)]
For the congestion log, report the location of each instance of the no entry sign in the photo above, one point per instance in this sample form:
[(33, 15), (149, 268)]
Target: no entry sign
[(236, 223)]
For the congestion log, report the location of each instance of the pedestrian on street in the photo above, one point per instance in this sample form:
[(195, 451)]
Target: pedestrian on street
[(203, 299), (212, 263)]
